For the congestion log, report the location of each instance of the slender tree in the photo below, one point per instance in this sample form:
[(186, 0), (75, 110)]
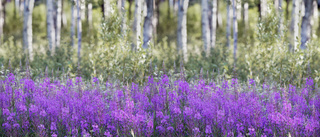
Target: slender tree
[(90, 15), (73, 22), (228, 23), (214, 22), (123, 12), (182, 27), (50, 26), (315, 19), (137, 23), (294, 27), (106, 8), (79, 29), (279, 11), (147, 26), (263, 8), (235, 32), (58, 23), (306, 25), (246, 15), (27, 27), (205, 26), (1, 20)]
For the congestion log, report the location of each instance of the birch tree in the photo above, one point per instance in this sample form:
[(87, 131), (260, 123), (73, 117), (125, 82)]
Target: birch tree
[(147, 26), (306, 25), (50, 26), (73, 15), (235, 32), (228, 23), (79, 29), (294, 27), (90, 15), (205, 26), (27, 27), (1, 20), (137, 23), (279, 11), (263, 8), (106, 8), (314, 21), (59, 19), (214, 23), (182, 28), (123, 12), (246, 15)]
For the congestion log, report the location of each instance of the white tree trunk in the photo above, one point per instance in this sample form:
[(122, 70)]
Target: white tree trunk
[(73, 16), (90, 15), (106, 7), (182, 28), (294, 28), (276, 5), (214, 23), (83, 9), (27, 27), (306, 25), (137, 23), (235, 32), (239, 8), (119, 5), (314, 21), (147, 26), (1, 20), (205, 26), (50, 26), (228, 23), (59, 19), (263, 8), (246, 14), (280, 13), (123, 12), (79, 29)]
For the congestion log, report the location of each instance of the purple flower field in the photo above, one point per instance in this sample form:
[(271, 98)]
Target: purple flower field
[(159, 108)]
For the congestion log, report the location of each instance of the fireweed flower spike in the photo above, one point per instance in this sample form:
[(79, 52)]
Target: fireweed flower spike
[(160, 107)]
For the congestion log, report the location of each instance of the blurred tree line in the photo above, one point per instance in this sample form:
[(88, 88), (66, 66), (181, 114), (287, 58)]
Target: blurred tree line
[(128, 40)]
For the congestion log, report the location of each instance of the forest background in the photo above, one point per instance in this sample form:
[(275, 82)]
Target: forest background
[(126, 41)]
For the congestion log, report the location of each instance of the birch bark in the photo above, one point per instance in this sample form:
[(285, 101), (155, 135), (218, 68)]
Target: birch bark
[(306, 25), (27, 27), (147, 26), (182, 28), (50, 27)]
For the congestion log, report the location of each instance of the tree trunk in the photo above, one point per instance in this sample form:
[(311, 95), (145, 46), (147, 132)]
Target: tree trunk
[(64, 18), (276, 5), (306, 26), (27, 27), (90, 15), (214, 23), (246, 15), (59, 19), (137, 23), (182, 28), (228, 23), (219, 18), (205, 26), (235, 33), (314, 20), (79, 29), (238, 7), (279, 12), (130, 7), (1, 21), (73, 15), (287, 9), (294, 27), (50, 26), (263, 8), (106, 8), (123, 12), (83, 9), (147, 26)]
